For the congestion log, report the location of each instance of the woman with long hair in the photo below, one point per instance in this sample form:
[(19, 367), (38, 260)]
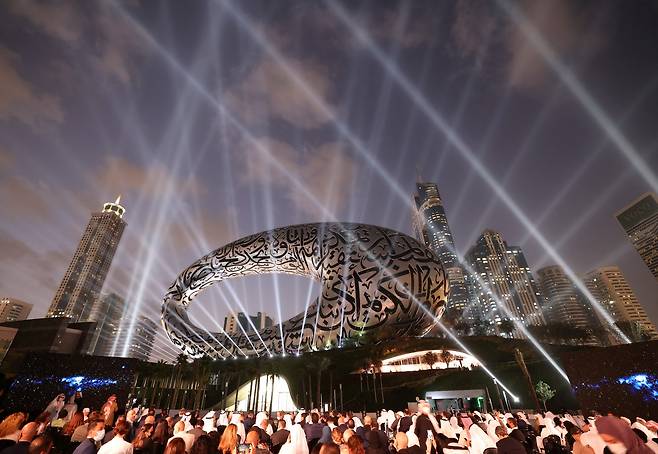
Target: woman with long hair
[(76, 421), (142, 442), (355, 446), (10, 429), (203, 445), (175, 446), (229, 442), (160, 437)]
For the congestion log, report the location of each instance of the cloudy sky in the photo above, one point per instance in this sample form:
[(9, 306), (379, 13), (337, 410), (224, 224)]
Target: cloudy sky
[(218, 119)]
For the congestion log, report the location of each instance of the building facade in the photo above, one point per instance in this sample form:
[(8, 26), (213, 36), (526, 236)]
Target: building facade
[(640, 222), (12, 310), (503, 288), (564, 303), (107, 311), (141, 344), (84, 278), (611, 289), (239, 321), (430, 225)]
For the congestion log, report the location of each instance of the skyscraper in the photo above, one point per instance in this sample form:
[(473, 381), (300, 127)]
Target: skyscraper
[(564, 302), (12, 310), (107, 312), (232, 322), (640, 222), (504, 275), (611, 289), (142, 341), (88, 269), (431, 226)]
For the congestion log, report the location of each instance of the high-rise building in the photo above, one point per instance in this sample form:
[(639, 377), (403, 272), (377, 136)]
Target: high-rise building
[(86, 273), (107, 312), (141, 343), (12, 310), (234, 322), (640, 222), (503, 277), (431, 226), (564, 303), (611, 289)]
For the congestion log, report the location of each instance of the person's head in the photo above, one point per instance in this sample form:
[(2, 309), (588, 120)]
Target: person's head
[(264, 423), (373, 439), (11, 424), (329, 448), (511, 423), (617, 434), (96, 429), (350, 423), (401, 441), (76, 421), (347, 434), (63, 413), (203, 445), (175, 446), (501, 432), (112, 398), (29, 431), (193, 421), (40, 445), (424, 407), (336, 435), (575, 432), (229, 438), (354, 445), (179, 427), (143, 435), (121, 428), (280, 425), (367, 421), (252, 438), (161, 432), (315, 418)]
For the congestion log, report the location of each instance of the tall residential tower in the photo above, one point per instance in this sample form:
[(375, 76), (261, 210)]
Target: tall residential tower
[(506, 291), (640, 222), (89, 267)]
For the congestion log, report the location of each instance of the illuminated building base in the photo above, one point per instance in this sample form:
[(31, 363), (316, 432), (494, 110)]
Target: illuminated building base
[(273, 393)]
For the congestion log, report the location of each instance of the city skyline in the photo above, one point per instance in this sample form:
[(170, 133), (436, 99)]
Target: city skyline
[(140, 113)]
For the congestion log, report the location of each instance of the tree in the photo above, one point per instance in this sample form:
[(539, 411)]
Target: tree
[(544, 392), (430, 358), (446, 357), (460, 360)]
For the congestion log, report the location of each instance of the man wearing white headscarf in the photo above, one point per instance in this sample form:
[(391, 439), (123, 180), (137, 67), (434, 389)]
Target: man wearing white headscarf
[(411, 433), (260, 417), (288, 419), (446, 428), (454, 423), (297, 443), (479, 440), (223, 419), (209, 422)]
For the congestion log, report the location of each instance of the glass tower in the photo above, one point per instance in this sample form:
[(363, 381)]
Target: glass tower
[(640, 222)]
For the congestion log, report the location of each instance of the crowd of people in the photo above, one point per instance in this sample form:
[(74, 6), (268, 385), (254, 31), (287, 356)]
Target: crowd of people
[(63, 428)]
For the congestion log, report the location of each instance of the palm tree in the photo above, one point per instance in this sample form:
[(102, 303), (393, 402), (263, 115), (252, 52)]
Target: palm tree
[(430, 358), (446, 357), (460, 360)]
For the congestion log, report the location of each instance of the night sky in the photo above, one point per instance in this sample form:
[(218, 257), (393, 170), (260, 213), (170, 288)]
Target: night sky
[(216, 119)]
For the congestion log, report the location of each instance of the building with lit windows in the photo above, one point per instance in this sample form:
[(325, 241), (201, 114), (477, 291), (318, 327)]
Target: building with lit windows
[(430, 224), (12, 310), (107, 312), (84, 278), (143, 339), (564, 303), (236, 323), (503, 277), (611, 289), (640, 222)]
